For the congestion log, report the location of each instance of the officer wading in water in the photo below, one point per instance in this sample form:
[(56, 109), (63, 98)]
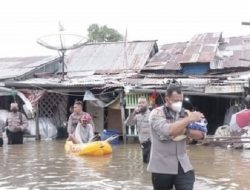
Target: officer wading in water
[(16, 125), (169, 162), (140, 118)]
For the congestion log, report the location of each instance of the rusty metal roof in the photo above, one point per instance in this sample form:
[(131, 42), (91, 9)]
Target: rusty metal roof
[(167, 58), (18, 66), (201, 49), (109, 57), (221, 53)]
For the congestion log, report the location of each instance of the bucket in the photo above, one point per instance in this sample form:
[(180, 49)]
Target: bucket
[(108, 133)]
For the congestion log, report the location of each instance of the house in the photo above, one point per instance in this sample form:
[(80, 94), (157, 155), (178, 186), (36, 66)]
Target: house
[(95, 73), (213, 71), (21, 68)]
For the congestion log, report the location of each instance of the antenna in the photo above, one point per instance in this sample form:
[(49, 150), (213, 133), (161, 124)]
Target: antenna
[(62, 42), (125, 60)]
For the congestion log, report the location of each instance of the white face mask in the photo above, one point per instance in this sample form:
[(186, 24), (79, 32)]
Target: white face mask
[(176, 106)]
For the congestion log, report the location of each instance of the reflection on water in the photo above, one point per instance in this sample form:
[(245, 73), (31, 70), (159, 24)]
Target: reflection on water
[(44, 165), (221, 168)]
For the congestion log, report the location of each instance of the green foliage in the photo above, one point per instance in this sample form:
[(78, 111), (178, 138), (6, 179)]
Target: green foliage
[(98, 33)]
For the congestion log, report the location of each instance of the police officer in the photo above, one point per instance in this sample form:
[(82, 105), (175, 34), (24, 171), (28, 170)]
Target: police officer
[(16, 124), (139, 117), (75, 117), (169, 162)]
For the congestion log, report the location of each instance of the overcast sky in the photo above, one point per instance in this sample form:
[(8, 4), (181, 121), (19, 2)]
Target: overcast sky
[(23, 21)]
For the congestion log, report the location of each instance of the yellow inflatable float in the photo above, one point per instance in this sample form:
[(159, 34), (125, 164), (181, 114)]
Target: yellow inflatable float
[(97, 148)]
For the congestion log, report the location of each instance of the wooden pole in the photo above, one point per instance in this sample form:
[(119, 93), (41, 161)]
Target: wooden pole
[(123, 116), (63, 55), (248, 90), (38, 137)]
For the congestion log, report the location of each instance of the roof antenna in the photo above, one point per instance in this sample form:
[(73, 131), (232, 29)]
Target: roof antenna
[(62, 42)]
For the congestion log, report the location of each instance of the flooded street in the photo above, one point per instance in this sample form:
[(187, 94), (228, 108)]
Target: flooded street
[(44, 165)]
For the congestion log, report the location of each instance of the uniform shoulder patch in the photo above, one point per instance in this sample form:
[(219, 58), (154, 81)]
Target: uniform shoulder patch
[(157, 113)]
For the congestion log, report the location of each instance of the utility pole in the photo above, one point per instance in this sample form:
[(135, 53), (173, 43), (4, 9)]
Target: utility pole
[(248, 90), (122, 106), (38, 137)]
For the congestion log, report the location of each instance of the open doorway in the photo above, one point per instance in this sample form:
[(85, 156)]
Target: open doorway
[(214, 109)]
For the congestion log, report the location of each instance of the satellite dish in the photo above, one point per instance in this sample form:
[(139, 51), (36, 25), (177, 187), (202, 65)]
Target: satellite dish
[(62, 42)]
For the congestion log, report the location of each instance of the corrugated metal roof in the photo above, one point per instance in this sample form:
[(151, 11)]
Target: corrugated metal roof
[(167, 58), (163, 81), (56, 82), (109, 57), (210, 48), (191, 85), (234, 52), (243, 75), (113, 80), (206, 38), (201, 49), (18, 66)]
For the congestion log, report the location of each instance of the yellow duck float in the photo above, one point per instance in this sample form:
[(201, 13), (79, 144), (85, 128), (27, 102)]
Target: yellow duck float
[(97, 148)]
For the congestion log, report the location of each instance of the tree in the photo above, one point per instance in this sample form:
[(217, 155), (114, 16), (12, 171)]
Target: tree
[(98, 33)]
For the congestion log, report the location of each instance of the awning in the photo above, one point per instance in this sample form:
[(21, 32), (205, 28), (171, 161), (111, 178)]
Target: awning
[(97, 101)]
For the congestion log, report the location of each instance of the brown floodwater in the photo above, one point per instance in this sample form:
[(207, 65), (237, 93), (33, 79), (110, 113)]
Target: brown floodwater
[(44, 165)]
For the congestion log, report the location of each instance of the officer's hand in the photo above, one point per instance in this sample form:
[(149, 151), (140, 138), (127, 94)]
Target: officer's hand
[(195, 116)]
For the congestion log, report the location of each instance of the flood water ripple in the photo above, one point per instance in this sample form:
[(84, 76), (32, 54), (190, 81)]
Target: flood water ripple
[(44, 165)]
